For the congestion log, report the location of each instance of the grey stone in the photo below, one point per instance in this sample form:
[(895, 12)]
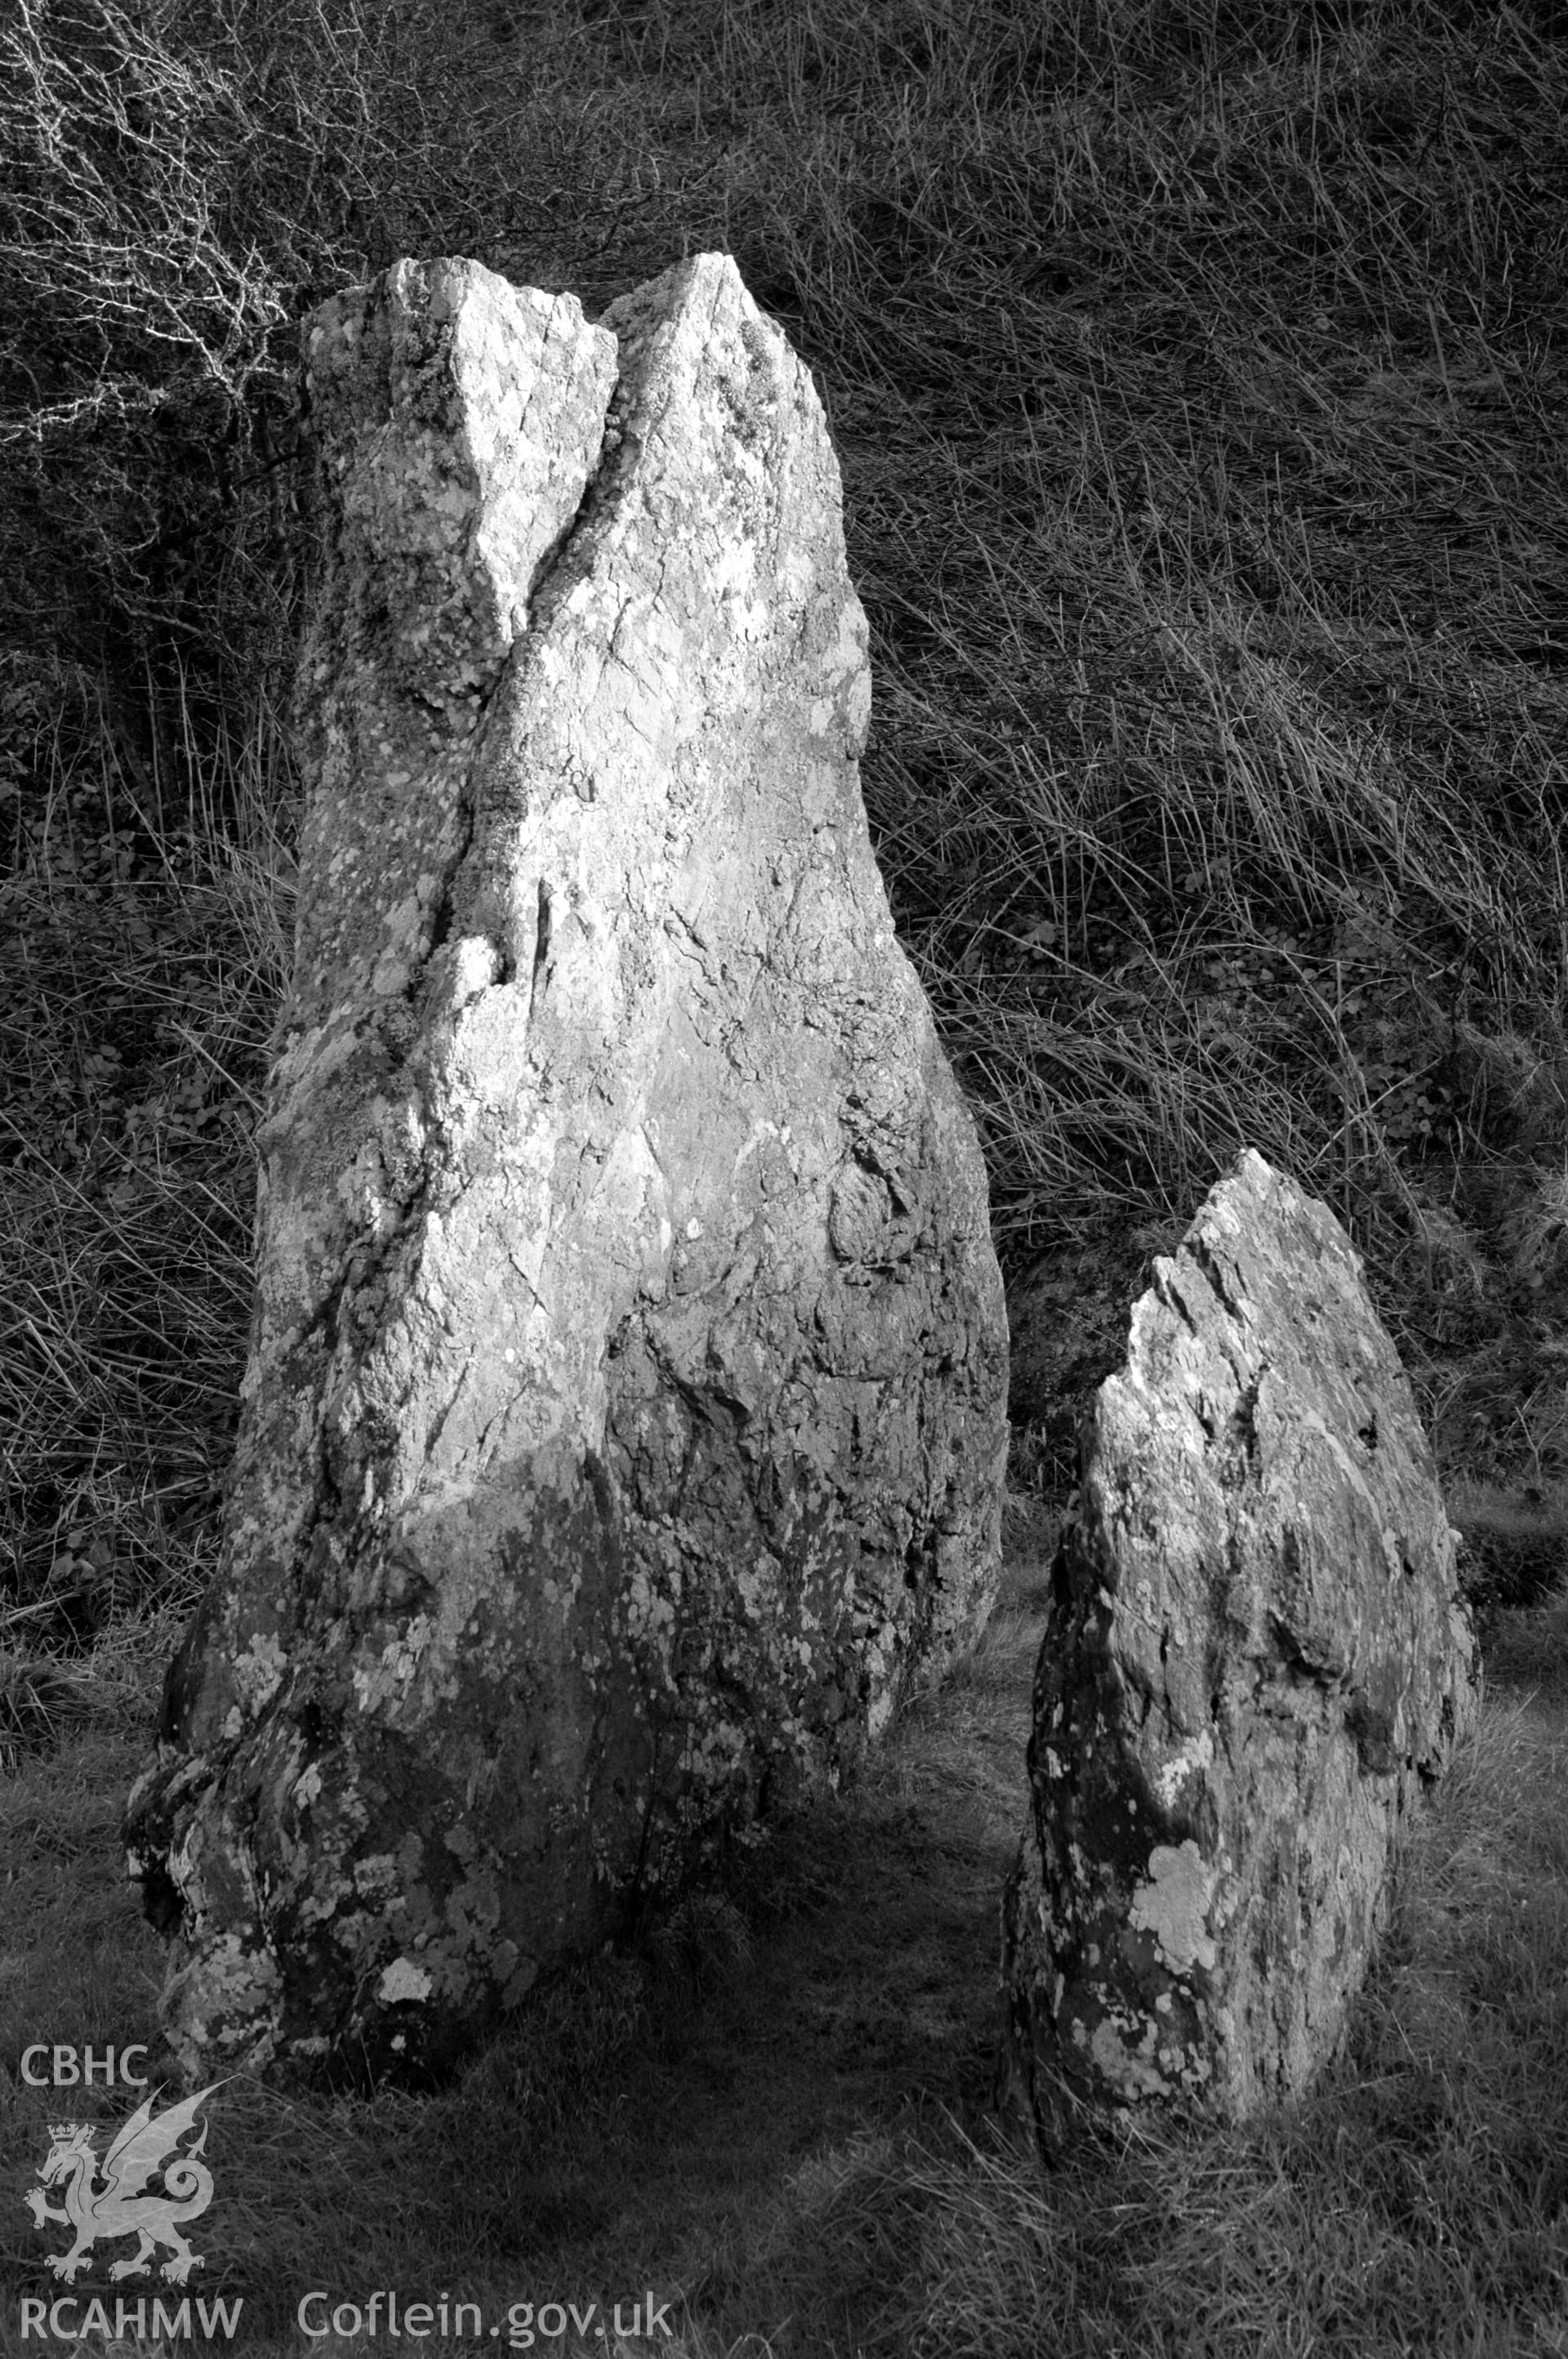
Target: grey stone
[(1255, 1660), (624, 1423)]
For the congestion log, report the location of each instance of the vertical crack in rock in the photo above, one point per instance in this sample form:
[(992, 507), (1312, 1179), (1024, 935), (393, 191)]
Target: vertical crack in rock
[(541, 943), (624, 1428), (1260, 1546)]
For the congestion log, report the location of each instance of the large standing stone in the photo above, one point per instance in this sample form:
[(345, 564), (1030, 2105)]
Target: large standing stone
[(1256, 1660), (624, 1424)]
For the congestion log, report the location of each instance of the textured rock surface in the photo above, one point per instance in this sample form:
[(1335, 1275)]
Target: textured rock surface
[(624, 1421), (1255, 1660)]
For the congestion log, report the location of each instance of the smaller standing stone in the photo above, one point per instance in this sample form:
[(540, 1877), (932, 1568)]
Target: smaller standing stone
[(1255, 1660)]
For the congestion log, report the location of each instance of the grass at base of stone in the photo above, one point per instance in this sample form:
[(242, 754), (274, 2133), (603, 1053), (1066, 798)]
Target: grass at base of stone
[(774, 2120)]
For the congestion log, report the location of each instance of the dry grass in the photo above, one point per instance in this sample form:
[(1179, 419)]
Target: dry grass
[(775, 2117), (1197, 377)]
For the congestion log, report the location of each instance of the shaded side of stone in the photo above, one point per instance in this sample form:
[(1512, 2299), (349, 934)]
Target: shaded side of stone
[(1255, 1660), (624, 1428)]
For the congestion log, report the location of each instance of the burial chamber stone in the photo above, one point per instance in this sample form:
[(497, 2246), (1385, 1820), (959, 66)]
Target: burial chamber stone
[(624, 1430), (1256, 1660)]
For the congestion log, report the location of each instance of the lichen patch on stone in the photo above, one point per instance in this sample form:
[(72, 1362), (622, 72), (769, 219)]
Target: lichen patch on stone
[(1173, 1904)]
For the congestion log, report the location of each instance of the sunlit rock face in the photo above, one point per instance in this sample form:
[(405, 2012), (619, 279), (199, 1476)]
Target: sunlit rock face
[(1256, 1661), (624, 1428)]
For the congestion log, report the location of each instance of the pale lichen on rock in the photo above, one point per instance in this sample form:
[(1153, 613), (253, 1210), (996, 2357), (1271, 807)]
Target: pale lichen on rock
[(624, 1421)]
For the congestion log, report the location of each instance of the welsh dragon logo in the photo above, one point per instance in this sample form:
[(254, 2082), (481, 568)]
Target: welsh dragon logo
[(119, 2207)]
